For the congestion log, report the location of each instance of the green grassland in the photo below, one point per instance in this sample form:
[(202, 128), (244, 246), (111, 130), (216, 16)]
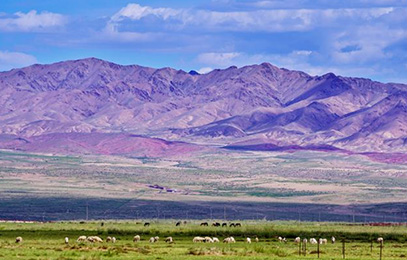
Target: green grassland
[(46, 241)]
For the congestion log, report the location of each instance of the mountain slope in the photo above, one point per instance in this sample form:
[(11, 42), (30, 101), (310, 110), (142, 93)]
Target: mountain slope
[(257, 102)]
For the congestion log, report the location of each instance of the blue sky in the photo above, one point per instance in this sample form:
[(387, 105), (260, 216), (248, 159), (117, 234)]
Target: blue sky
[(364, 38)]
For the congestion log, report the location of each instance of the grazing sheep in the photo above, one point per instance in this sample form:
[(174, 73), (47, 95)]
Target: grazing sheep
[(136, 238), (156, 239), (333, 240), (380, 240), (95, 239), (152, 240), (256, 239), (227, 240), (248, 240), (198, 239), (297, 240), (224, 224), (233, 239), (208, 240), (238, 225), (66, 240), (113, 240), (19, 239), (323, 241), (280, 239), (313, 241), (178, 224), (305, 241), (108, 239), (215, 240), (81, 239), (204, 224), (169, 240), (147, 224)]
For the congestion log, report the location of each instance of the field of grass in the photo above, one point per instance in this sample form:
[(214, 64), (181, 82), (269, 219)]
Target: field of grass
[(46, 241)]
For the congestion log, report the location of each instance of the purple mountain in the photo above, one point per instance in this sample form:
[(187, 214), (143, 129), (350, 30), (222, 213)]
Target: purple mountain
[(260, 105)]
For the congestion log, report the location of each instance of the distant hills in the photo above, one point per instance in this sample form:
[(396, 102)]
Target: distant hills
[(94, 106)]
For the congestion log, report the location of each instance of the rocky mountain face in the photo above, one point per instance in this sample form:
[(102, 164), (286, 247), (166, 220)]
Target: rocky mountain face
[(256, 106)]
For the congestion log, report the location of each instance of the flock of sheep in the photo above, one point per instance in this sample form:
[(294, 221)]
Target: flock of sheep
[(198, 239)]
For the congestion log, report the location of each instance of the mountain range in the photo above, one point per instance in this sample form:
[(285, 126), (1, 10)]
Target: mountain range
[(91, 105)]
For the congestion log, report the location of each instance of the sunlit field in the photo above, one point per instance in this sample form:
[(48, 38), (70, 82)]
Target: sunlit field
[(46, 240)]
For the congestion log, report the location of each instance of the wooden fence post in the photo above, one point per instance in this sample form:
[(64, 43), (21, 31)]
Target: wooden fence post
[(343, 248), (304, 247), (381, 249)]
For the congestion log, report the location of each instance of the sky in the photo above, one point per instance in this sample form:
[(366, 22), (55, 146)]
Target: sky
[(358, 38)]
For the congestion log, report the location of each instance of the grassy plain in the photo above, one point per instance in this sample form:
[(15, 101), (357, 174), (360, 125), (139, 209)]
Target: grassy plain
[(244, 185), (46, 241), (306, 177)]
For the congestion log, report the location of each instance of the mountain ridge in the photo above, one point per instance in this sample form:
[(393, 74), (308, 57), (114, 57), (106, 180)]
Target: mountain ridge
[(227, 106)]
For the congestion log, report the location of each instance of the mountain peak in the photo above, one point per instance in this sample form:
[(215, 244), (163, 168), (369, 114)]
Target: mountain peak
[(291, 107)]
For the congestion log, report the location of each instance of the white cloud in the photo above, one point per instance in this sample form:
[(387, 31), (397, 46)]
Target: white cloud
[(10, 60), (267, 20), (217, 58), (204, 70), (136, 12), (221, 60), (31, 21), (372, 42)]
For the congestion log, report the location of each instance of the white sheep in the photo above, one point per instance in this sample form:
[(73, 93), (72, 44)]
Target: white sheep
[(208, 240), (108, 239), (136, 238), (297, 240), (323, 241), (333, 240), (215, 240), (113, 240), (66, 240), (305, 241), (152, 240), (280, 239), (198, 239), (19, 239), (380, 240), (169, 240), (256, 239), (97, 239), (227, 240), (232, 239), (248, 240), (81, 239), (313, 241)]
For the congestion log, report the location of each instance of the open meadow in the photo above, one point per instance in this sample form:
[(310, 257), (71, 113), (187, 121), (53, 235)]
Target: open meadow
[(46, 240), (306, 186)]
